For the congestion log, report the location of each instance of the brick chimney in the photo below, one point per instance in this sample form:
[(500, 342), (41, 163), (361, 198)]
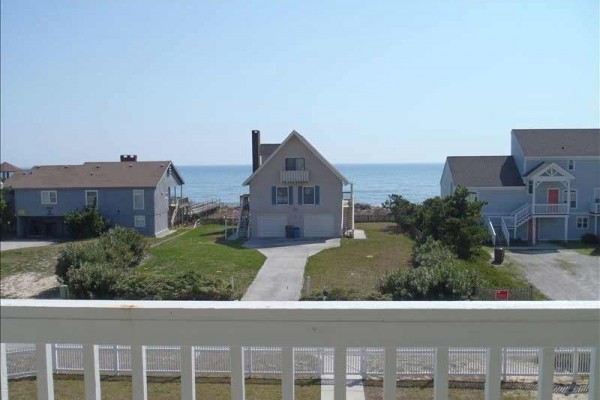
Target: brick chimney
[(128, 158), (255, 150)]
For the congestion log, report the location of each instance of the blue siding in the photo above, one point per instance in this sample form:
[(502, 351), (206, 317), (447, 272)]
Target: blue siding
[(517, 153), (502, 201)]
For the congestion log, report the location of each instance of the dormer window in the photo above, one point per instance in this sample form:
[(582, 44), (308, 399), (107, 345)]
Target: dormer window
[(571, 165), (294, 164)]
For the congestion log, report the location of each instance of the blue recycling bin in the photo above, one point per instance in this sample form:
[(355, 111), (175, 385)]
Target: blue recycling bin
[(296, 233)]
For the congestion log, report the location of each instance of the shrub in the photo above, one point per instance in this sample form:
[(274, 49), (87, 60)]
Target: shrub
[(433, 253), (405, 213), (123, 247), (589, 238), (437, 283), (73, 256), (94, 281), (87, 223), (187, 285)]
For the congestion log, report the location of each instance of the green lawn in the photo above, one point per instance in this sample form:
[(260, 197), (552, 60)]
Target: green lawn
[(205, 250), (348, 266), (581, 248)]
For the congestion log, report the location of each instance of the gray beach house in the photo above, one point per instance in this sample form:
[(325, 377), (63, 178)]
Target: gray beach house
[(548, 188), (292, 185), (130, 193)]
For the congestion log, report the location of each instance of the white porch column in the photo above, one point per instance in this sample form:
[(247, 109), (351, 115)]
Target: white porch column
[(493, 373), (594, 391), (339, 373), (545, 373), (139, 382), (390, 373), (440, 377), (287, 373), (188, 373), (3, 372), (566, 229), (238, 373), (43, 363), (91, 372), (533, 229)]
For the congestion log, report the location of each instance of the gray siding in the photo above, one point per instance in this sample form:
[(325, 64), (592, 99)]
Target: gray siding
[(446, 183), (517, 153), (501, 202), (331, 189), (161, 203)]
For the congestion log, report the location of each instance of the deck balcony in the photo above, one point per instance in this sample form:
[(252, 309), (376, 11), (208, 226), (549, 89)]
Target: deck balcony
[(289, 325), (296, 176), (551, 209), (595, 207)]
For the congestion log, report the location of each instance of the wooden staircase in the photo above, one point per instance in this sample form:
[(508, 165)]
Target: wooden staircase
[(243, 228)]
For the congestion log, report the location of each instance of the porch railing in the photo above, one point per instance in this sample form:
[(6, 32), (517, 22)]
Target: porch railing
[(294, 176), (595, 207), (505, 231), (550, 209), (492, 231), (289, 325)]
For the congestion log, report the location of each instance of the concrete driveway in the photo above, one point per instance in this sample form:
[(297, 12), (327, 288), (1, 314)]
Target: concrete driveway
[(560, 274), (23, 243), (280, 277)]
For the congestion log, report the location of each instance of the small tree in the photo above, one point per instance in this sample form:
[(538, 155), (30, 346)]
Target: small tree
[(85, 224), (405, 213)]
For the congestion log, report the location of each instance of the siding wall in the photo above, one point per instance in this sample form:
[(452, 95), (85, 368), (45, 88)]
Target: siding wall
[(446, 183), (161, 203), (517, 153), (501, 201), (331, 189)]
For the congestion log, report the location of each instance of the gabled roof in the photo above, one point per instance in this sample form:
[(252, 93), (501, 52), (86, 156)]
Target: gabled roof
[(309, 147), (267, 149), (8, 167), (559, 142), (546, 165), (485, 171), (93, 175)]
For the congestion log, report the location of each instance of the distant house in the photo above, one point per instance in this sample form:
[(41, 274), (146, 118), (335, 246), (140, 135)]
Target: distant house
[(293, 185), (547, 189), (7, 169), (130, 193)]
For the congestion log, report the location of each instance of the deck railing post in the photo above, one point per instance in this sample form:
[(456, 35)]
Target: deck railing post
[(43, 362), (594, 384), (287, 373), (339, 373), (504, 363), (91, 372), (493, 373), (138, 372), (575, 367), (545, 373), (188, 373), (440, 378), (237, 367), (390, 373), (3, 372)]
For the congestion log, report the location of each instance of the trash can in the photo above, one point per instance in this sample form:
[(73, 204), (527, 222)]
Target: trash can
[(498, 255), (289, 231), (296, 233)]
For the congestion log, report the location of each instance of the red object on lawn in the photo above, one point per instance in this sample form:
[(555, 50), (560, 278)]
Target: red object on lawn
[(502, 294)]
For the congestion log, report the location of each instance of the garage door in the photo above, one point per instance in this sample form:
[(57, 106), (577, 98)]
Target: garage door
[(318, 225), (271, 226)]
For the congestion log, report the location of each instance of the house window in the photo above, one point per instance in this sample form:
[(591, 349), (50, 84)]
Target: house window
[(283, 196), (138, 199), (571, 165), (530, 187), (294, 164), (582, 222), (308, 195), (49, 197), (572, 200), (139, 221), (91, 198)]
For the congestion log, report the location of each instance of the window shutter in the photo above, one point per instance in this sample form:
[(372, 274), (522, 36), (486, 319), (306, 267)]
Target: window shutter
[(317, 195), (273, 195), (291, 195), (300, 198)]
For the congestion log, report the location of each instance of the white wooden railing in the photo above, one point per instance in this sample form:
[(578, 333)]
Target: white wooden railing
[(341, 325), (294, 176), (492, 231), (595, 207), (551, 208), (521, 215), (505, 231)]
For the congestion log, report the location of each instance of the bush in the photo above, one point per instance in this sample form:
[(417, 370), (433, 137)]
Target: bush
[(187, 285), (123, 247), (84, 224), (73, 256), (433, 253), (94, 281), (405, 213), (341, 294), (437, 283), (589, 238)]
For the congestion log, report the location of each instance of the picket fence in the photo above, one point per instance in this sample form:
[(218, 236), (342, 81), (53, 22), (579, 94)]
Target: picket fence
[(310, 362)]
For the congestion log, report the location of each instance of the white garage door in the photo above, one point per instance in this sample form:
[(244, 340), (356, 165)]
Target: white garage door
[(318, 225), (271, 226)]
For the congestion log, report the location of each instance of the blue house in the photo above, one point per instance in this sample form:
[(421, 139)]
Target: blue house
[(129, 193), (547, 189)]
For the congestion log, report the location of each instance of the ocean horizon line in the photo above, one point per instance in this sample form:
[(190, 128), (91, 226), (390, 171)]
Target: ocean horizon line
[(362, 164)]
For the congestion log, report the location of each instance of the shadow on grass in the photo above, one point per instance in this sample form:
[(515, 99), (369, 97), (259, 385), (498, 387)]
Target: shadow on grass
[(52, 293)]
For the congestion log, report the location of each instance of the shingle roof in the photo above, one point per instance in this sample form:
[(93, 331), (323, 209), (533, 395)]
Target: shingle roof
[(8, 167), (267, 149), (485, 171), (558, 142), (91, 175)]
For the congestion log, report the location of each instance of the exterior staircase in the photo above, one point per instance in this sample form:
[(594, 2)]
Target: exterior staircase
[(500, 228), (243, 228)]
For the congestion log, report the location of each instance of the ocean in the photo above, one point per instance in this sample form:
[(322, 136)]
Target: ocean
[(373, 183)]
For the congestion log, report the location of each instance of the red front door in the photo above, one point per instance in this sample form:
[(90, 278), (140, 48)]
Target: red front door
[(552, 196)]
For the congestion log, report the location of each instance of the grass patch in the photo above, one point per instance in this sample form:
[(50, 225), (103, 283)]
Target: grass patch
[(70, 387), (580, 247), (205, 250), (348, 266), (376, 393), (567, 266)]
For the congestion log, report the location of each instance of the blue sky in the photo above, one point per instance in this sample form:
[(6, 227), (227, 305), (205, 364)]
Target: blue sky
[(371, 82)]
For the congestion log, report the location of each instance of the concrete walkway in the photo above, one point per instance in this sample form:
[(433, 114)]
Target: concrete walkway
[(354, 387), (24, 243), (280, 277), (560, 274)]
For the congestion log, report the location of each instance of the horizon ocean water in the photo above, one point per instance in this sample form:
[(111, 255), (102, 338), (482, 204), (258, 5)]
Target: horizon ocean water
[(373, 183)]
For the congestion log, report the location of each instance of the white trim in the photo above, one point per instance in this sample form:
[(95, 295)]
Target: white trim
[(496, 188), (137, 192), (309, 146), (86, 198), (137, 218), (587, 223), (277, 203), (541, 169), (314, 196), (49, 202), (569, 198), (293, 158), (545, 158)]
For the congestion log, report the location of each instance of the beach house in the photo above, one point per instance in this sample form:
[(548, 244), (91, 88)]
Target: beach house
[(130, 193), (7, 169), (292, 185), (548, 188)]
